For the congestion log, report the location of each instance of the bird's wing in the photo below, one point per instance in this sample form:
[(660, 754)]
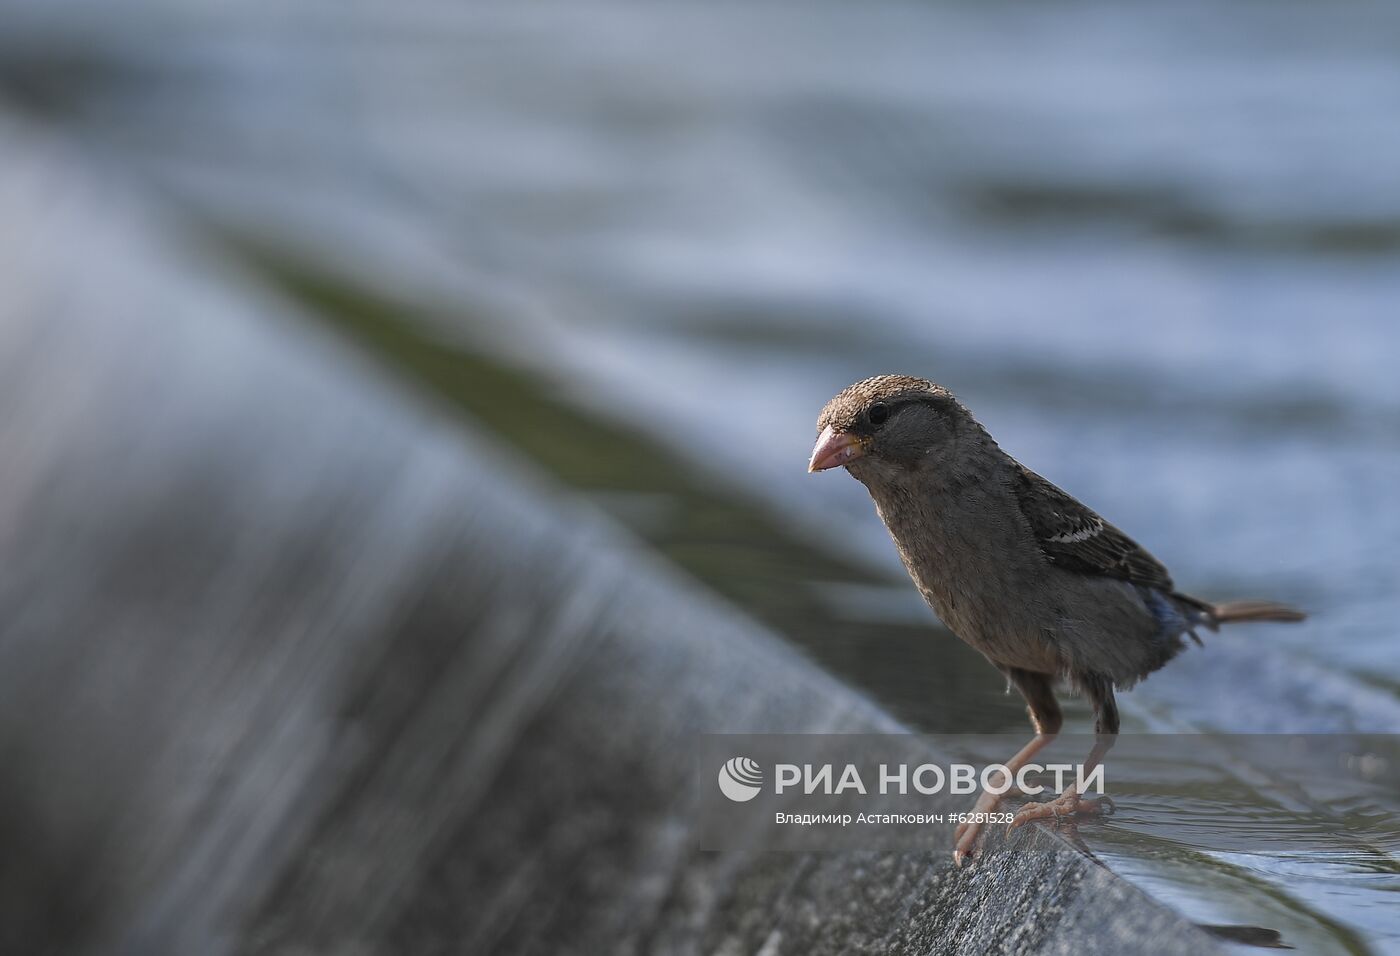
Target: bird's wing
[(1075, 538)]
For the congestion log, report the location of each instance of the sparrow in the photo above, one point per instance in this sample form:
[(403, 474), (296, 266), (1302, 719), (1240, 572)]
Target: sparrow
[(1042, 586)]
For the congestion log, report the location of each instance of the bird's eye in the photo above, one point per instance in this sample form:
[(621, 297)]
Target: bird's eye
[(879, 413)]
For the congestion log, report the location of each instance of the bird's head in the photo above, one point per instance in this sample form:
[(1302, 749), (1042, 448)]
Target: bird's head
[(887, 426)]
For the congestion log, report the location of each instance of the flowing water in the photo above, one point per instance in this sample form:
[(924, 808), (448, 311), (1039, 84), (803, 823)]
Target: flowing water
[(1156, 249)]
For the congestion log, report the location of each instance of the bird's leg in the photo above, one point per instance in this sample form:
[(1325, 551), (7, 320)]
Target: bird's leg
[(1046, 718), (1071, 803)]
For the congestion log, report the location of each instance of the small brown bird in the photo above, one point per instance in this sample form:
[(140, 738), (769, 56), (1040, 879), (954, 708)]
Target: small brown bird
[(1038, 583)]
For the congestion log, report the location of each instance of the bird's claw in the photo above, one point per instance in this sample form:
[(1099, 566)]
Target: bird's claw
[(966, 833), (1067, 805), (964, 839), (965, 843)]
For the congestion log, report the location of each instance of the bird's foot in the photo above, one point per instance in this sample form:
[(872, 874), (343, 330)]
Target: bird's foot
[(1068, 805), (965, 836)]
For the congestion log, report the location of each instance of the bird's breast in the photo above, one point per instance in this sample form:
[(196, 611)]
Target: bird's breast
[(977, 568)]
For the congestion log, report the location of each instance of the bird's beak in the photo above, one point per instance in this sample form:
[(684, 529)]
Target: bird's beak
[(835, 448)]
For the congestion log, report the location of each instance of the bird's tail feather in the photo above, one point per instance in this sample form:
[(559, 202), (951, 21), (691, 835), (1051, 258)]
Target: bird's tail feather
[(1213, 615), (1255, 611)]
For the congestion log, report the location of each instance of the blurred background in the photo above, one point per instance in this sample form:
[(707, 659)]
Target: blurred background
[(1155, 249)]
